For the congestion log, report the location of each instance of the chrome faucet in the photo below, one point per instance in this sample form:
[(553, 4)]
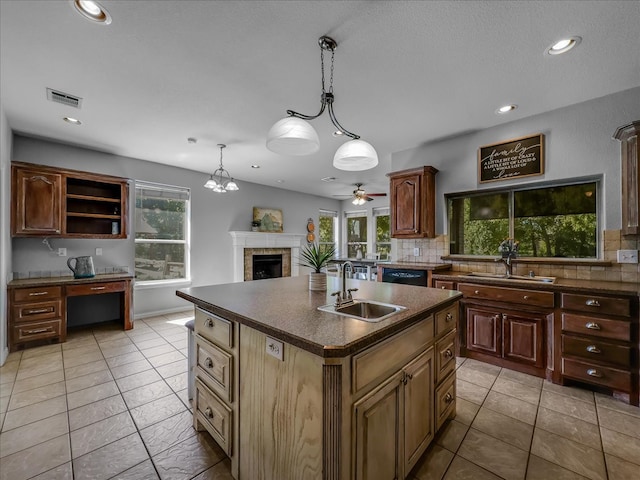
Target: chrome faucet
[(507, 263), (508, 250), (343, 296)]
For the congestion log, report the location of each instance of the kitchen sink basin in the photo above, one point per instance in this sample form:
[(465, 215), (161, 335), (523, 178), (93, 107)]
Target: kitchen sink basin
[(515, 278), (366, 310)]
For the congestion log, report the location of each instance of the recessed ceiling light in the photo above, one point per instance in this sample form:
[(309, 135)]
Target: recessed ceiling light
[(506, 109), (92, 10), (73, 121), (192, 140), (255, 166), (279, 181), (563, 46)]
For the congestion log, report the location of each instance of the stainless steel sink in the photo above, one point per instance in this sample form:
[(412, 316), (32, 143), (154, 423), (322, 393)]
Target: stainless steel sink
[(366, 310), (515, 278)]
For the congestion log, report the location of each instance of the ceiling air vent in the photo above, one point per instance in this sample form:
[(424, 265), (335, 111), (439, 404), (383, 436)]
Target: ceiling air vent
[(63, 98)]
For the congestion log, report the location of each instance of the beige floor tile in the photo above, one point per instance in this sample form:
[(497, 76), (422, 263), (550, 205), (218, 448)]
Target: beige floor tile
[(33, 362), (13, 357), (156, 411), (451, 435), (91, 394), (577, 393), (179, 336), (151, 343), (521, 378), (512, 407), (168, 432), (33, 413), (98, 434), (105, 336), (617, 405), (74, 361), (502, 427), (183, 395), (540, 469), (461, 469), (166, 358), (177, 382), (144, 335), (39, 369), (482, 367), (142, 471), (80, 351), (621, 446), (125, 359), (4, 403), (159, 350), (147, 393), (460, 361), (77, 341), (117, 351), (571, 455), (433, 464), (38, 381), (498, 457), (116, 342), (85, 369), (173, 369), (220, 471), (108, 461), (466, 411), (130, 368), (619, 469), (138, 380), (518, 390), (180, 344), (36, 395), (40, 351), (476, 377), (32, 434), (188, 458), (63, 472), (8, 376), (471, 392), (569, 406), (569, 427), (89, 380), (96, 411), (37, 459), (619, 422)]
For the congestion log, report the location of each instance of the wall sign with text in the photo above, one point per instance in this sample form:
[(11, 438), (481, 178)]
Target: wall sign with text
[(519, 157)]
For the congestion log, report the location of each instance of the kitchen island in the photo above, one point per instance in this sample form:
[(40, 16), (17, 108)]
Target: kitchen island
[(292, 392)]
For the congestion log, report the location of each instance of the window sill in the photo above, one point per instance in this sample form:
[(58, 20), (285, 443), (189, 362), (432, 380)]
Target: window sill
[(585, 262), (161, 284)]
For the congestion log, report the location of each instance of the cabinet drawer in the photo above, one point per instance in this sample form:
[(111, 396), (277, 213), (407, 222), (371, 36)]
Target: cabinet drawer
[(213, 328), (381, 360), (95, 288), (444, 285), (511, 295), (215, 416), (597, 304), (447, 319), (36, 311), (214, 367), (596, 350), (36, 294), (597, 327), (445, 356), (593, 373), (445, 400), (26, 332)]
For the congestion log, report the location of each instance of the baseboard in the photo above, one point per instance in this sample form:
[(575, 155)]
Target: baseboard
[(139, 316)]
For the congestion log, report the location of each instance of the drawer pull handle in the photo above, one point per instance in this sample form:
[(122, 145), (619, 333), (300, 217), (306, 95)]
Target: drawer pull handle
[(592, 372), (526, 297), (592, 326), (208, 362), (448, 353), (593, 349), (208, 412), (448, 398), (449, 317), (98, 288), (592, 303), (37, 294), (39, 330), (208, 323), (443, 287), (39, 310)]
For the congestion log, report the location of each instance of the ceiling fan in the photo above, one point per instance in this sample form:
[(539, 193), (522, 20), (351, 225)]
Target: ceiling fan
[(360, 196)]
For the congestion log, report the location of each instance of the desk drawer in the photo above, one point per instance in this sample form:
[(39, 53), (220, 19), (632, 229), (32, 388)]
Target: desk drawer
[(597, 304), (36, 311), (445, 356), (95, 288), (214, 367), (593, 373), (215, 416), (215, 329), (512, 295), (26, 332), (447, 319), (596, 350), (597, 327), (36, 294)]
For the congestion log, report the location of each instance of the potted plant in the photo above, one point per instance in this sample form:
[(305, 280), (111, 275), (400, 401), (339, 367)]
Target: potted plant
[(316, 258)]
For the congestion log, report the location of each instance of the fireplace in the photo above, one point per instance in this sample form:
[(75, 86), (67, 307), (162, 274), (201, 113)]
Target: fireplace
[(267, 266)]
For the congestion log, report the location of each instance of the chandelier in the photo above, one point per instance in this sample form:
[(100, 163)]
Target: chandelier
[(221, 181), (294, 135)]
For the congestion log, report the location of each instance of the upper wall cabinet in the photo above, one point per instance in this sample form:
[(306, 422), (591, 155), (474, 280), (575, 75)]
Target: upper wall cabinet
[(413, 203), (628, 136), (50, 202)]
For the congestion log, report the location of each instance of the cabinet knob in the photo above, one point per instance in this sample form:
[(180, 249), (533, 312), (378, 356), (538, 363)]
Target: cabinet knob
[(208, 362), (593, 349), (208, 412), (448, 398), (477, 292), (592, 303), (592, 372), (592, 326), (448, 353), (526, 297), (208, 323), (449, 317), (443, 287)]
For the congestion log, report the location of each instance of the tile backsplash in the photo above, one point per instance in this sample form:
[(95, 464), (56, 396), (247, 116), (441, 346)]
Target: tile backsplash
[(432, 249)]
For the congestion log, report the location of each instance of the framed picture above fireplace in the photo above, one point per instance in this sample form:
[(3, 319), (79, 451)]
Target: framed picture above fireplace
[(270, 219)]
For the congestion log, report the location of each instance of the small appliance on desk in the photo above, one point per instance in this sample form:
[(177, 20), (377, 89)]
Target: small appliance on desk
[(83, 267)]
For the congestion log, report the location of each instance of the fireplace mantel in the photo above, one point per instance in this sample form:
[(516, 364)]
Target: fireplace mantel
[(242, 240)]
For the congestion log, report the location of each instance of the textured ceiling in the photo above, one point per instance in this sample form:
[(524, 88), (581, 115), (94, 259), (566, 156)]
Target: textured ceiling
[(406, 73)]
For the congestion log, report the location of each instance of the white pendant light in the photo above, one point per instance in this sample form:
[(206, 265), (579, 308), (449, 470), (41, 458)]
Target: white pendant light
[(355, 155), (293, 136)]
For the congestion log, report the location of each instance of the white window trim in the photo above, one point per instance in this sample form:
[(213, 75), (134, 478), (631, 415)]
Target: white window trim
[(336, 231)]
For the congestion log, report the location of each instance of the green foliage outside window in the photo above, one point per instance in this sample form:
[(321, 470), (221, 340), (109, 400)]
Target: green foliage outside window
[(383, 236), (356, 236)]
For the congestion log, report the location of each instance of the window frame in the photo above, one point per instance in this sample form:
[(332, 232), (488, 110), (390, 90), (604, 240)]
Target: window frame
[(334, 215), (375, 213), (356, 214)]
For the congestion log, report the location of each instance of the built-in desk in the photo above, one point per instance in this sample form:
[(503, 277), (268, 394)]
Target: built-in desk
[(38, 306)]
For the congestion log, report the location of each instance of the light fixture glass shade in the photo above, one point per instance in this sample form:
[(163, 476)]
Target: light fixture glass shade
[(355, 155), (211, 183), (232, 186), (293, 136)]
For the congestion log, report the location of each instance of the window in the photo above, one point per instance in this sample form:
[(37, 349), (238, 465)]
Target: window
[(356, 233), (551, 221), (383, 232), (162, 233), (328, 230)]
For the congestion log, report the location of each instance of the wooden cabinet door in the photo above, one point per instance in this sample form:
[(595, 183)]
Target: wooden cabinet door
[(36, 198), (628, 136), (483, 331), (406, 202), (379, 430), (418, 408), (523, 339)]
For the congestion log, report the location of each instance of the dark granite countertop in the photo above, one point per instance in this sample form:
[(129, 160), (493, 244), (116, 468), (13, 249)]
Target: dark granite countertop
[(563, 284), (38, 282), (285, 309), (434, 267)]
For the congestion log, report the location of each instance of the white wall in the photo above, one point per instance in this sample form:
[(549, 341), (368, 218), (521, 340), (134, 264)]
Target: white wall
[(578, 143), (5, 243), (212, 217)]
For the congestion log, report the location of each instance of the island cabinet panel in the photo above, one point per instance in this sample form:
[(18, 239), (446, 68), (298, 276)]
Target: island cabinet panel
[(523, 339), (37, 200), (483, 331)]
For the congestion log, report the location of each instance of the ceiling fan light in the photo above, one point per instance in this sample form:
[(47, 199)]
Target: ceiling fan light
[(354, 156), (232, 186), (293, 136)]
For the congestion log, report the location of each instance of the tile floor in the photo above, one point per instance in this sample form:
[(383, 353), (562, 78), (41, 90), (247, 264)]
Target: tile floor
[(113, 404)]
